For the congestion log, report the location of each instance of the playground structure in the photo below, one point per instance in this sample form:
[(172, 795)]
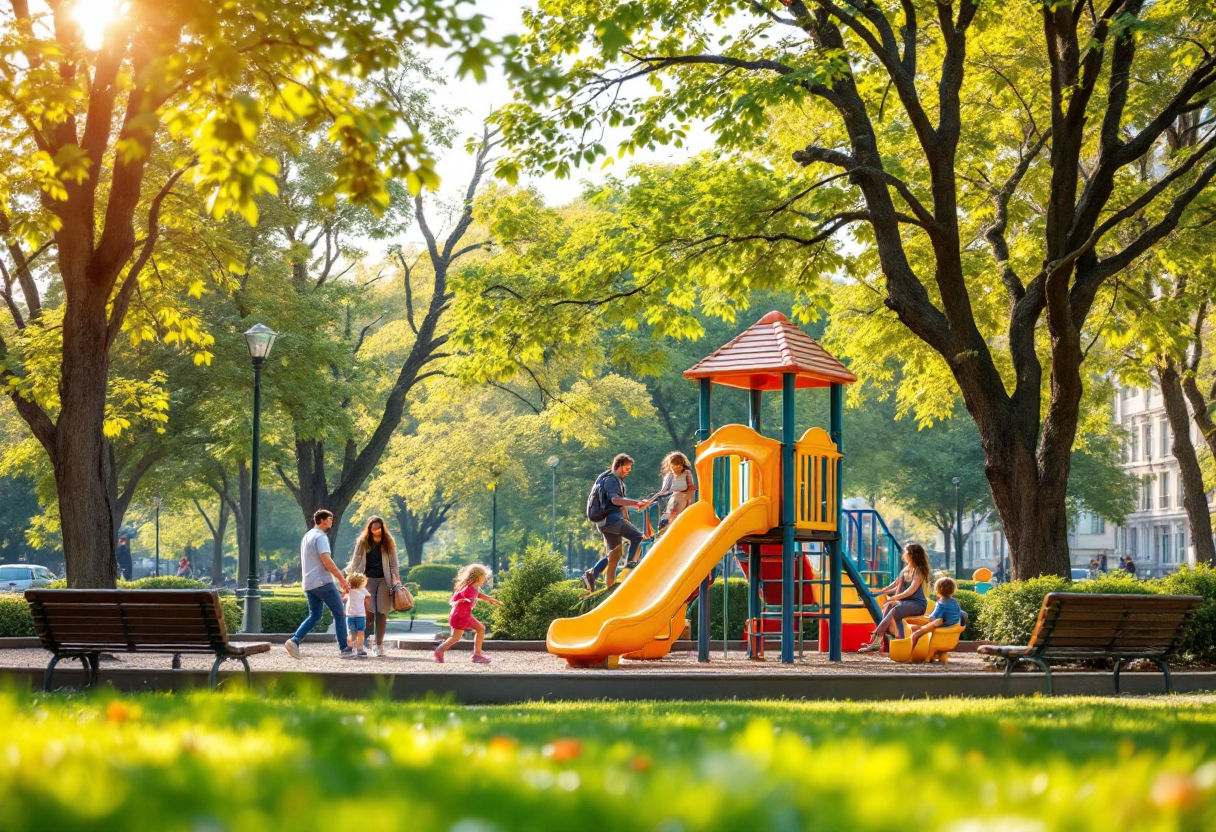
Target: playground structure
[(776, 501)]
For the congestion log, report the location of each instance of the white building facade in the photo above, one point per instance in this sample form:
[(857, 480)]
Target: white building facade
[(1156, 535)]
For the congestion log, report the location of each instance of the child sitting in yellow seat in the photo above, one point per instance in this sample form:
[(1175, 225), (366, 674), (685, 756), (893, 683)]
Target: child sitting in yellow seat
[(946, 613)]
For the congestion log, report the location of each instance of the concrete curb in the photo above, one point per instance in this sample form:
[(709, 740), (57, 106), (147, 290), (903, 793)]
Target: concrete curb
[(505, 688)]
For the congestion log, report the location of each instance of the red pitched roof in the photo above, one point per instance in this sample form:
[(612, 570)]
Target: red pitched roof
[(771, 347)]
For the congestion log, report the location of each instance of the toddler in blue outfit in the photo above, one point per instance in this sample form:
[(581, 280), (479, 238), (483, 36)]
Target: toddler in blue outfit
[(947, 612)]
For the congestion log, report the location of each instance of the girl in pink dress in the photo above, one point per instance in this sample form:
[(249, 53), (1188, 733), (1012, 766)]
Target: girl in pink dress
[(468, 590)]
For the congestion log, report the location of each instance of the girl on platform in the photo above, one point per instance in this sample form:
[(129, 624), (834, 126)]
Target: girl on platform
[(678, 481), (907, 598)]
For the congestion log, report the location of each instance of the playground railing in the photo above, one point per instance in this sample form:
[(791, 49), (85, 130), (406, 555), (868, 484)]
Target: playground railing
[(870, 545), (815, 496)]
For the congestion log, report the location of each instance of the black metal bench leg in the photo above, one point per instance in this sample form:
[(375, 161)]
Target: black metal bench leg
[(1165, 668), (177, 661), (1046, 673), (1008, 666), (215, 666), (50, 671), (248, 673), (1118, 667), (94, 668)]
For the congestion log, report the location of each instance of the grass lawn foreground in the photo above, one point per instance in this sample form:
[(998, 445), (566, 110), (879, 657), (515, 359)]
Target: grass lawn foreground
[(236, 761)]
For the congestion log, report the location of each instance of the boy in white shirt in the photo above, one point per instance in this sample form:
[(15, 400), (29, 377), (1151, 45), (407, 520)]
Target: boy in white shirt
[(356, 611)]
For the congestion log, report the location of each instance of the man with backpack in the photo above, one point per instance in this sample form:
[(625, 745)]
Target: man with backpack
[(604, 505)]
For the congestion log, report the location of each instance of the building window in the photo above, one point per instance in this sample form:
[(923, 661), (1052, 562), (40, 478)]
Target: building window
[(1135, 457), (1165, 438), (1162, 544), (1179, 543), (1097, 525), (1146, 493), (1165, 489), (1179, 490), (1131, 542), (1148, 440)]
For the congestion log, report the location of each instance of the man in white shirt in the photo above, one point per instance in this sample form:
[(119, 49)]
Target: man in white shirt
[(322, 579)]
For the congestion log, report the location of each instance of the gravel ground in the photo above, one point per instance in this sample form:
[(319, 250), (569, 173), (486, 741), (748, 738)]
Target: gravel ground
[(324, 658)]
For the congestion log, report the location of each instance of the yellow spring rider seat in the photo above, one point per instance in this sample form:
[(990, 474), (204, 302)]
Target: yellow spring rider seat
[(934, 646)]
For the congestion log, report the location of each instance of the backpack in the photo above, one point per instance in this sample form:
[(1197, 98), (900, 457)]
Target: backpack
[(597, 500)]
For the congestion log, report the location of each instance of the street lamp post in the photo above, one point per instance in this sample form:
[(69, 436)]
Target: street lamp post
[(260, 339), (494, 524), (958, 529), (156, 502), (553, 506)]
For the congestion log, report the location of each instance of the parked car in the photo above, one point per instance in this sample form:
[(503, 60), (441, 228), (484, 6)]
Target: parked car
[(18, 577)]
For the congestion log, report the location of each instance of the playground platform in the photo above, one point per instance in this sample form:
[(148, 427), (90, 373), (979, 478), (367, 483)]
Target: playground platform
[(518, 675)]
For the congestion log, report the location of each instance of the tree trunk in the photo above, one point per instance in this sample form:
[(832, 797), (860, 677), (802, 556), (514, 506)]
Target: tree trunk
[(82, 459), (217, 545), (1194, 499), (1032, 508)]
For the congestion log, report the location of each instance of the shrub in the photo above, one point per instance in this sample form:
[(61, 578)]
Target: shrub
[(1201, 638), (736, 612), (233, 614), (1011, 609), (972, 604), (554, 601), (284, 615), (1116, 583), (164, 582), (15, 618), (522, 586), (434, 576), (964, 583)]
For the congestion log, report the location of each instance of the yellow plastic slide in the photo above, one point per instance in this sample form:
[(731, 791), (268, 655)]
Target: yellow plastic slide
[(641, 609)]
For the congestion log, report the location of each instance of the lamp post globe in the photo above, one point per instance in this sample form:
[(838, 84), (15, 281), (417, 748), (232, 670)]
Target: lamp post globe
[(260, 340)]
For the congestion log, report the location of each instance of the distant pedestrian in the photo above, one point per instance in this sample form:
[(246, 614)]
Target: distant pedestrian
[(184, 569), (468, 592), (322, 582), (124, 557), (1129, 565)]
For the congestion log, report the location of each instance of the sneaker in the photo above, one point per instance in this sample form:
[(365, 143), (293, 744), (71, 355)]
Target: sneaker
[(348, 654), (361, 654), (378, 652), (589, 581), (480, 659), (872, 647), (439, 656), (293, 648)]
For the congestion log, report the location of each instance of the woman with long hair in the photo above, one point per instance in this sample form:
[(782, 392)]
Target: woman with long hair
[(679, 482), (375, 556), (907, 598)]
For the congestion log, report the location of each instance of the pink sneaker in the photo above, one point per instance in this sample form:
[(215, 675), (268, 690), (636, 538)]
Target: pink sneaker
[(439, 656), (480, 659)]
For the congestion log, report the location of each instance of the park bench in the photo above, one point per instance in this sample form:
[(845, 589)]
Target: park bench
[(84, 623), (1074, 627)]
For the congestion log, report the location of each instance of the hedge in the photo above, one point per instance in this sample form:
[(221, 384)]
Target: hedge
[(434, 576), (284, 615), (15, 618), (737, 612)]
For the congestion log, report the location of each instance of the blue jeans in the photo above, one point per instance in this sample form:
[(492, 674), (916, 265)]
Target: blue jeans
[(613, 534), (324, 596)]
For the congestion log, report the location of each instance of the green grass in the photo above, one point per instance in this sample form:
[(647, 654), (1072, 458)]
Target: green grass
[(241, 762), (429, 604)]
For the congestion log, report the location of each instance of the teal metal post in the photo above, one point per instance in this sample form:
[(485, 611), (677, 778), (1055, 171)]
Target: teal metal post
[(753, 551), (835, 423), (703, 593), (788, 514)]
